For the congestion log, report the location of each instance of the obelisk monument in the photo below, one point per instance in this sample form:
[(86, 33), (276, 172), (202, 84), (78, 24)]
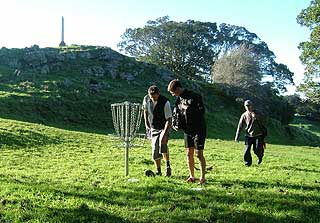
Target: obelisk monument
[(62, 43)]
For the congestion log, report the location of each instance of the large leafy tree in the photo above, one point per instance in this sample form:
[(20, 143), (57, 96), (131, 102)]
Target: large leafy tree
[(186, 48), (190, 48), (310, 17), (238, 71), (232, 37)]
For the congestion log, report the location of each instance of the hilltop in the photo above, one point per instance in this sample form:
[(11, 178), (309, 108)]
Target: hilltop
[(73, 88)]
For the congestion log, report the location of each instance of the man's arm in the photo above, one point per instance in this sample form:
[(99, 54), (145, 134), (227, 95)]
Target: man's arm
[(168, 115), (145, 113), (199, 103), (240, 126), (167, 126), (146, 120)]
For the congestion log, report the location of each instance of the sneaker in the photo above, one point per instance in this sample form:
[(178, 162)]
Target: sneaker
[(190, 180), (168, 171), (158, 173), (202, 181), (260, 161)]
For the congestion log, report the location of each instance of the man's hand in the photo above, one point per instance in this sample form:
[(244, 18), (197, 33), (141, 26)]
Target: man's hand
[(164, 138), (148, 132)]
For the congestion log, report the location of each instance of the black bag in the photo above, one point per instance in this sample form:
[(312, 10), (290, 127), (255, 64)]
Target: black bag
[(178, 119)]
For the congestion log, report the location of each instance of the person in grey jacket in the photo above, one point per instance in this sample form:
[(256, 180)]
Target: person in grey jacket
[(255, 133)]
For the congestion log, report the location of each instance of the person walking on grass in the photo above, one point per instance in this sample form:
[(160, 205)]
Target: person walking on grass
[(192, 110), (255, 133), (157, 119)]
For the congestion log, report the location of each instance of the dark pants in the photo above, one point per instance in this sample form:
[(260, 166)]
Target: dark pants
[(257, 143)]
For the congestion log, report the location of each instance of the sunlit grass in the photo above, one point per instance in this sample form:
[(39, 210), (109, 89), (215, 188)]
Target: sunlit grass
[(53, 175)]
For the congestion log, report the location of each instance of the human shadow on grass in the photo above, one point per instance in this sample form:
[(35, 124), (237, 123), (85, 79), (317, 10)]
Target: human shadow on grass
[(278, 184), (296, 168), (163, 201), (84, 214), (26, 138), (171, 202)]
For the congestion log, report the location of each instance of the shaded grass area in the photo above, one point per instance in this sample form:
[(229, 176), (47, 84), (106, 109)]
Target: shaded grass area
[(79, 177), (68, 100), (308, 125)]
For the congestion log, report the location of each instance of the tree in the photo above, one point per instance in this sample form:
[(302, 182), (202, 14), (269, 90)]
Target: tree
[(310, 56), (237, 71), (232, 37), (183, 47), (190, 48), (311, 90)]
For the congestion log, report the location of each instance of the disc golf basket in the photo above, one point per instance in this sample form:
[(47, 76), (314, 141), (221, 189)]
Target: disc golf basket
[(126, 118)]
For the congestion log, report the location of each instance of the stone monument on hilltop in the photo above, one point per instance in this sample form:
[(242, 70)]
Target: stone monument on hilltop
[(62, 43)]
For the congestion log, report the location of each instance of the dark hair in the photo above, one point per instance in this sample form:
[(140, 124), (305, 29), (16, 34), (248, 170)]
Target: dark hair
[(153, 89), (174, 84)]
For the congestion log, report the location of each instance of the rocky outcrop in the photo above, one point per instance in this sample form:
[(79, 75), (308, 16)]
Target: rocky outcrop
[(88, 60)]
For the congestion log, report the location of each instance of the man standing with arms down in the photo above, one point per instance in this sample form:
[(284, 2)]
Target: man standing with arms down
[(157, 119), (255, 133), (192, 109)]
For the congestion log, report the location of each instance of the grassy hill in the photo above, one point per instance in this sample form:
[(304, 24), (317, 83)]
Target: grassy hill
[(59, 162), (69, 97), (74, 93)]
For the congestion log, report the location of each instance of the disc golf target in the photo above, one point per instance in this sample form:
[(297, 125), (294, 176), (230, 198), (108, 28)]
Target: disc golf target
[(126, 118)]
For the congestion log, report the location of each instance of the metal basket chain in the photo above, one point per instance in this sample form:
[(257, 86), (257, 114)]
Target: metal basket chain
[(126, 119), (137, 127), (132, 121), (139, 114), (115, 119), (121, 117)]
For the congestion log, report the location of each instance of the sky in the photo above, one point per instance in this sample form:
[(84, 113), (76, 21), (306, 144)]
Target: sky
[(24, 23)]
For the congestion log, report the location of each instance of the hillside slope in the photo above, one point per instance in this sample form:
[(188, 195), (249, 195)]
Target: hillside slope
[(73, 88)]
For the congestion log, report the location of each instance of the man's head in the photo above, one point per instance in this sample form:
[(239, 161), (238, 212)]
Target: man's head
[(175, 87), (154, 92), (248, 105)]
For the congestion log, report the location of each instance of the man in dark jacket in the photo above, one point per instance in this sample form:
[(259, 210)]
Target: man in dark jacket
[(191, 106), (157, 119), (255, 133)]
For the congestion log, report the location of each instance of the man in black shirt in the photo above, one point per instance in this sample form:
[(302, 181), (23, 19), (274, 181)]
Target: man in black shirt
[(192, 109)]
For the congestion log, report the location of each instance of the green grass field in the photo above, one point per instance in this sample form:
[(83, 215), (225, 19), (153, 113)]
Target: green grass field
[(54, 175), (69, 168)]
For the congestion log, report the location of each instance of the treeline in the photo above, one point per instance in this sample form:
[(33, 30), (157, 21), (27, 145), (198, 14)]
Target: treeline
[(229, 56), (310, 57)]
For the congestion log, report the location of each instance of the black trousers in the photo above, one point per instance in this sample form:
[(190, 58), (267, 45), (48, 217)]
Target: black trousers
[(257, 144)]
